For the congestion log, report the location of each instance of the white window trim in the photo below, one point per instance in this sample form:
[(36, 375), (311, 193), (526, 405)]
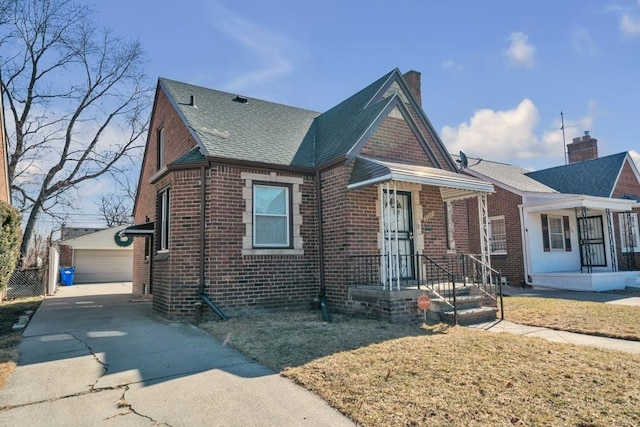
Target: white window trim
[(497, 218), (296, 200), (287, 217), (634, 223), (551, 248)]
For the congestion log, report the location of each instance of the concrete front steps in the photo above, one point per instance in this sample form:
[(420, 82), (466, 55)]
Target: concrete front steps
[(473, 307)]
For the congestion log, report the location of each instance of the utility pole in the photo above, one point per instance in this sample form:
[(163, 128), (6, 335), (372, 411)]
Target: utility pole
[(564, 143)]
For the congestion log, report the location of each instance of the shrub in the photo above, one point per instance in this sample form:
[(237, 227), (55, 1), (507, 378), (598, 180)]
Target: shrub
[(10, 240)]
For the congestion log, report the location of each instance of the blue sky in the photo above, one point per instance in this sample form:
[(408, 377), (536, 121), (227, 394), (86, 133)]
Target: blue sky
[(495, 74)]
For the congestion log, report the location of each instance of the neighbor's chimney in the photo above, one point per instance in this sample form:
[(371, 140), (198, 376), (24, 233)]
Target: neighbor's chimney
[(581, 149), (413, 80)]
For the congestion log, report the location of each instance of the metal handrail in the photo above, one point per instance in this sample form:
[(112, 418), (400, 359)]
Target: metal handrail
[(471, 271), (415, 271)]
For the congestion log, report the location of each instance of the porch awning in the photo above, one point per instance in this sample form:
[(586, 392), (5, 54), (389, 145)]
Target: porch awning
[(571, 201), (145, 229), (453, 186)]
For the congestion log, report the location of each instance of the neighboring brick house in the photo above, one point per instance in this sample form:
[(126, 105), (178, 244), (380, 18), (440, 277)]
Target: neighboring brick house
[(570, 227), (258, 206)]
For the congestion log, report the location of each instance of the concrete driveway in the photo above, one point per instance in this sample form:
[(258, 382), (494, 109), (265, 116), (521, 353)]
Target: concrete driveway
[(90, 356)]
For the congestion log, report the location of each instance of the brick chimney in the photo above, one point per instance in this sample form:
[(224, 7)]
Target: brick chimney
[(581, 149), (413, 80)]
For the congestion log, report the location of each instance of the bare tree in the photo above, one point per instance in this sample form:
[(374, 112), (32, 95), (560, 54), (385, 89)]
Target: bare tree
[(77, 101), (115, 210)]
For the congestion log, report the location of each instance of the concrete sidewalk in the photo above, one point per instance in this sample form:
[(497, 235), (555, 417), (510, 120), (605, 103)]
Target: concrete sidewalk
[(560, 336), (630, 297), (620, 298), (91, 356)]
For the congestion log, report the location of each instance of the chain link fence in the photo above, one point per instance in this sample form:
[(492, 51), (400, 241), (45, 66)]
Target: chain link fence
[(26, 282)]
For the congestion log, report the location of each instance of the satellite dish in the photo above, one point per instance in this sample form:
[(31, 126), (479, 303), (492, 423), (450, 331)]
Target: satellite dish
[(463, 160)]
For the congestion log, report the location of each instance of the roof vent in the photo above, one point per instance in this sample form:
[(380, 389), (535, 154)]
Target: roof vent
[(192, 101), (240, 99)]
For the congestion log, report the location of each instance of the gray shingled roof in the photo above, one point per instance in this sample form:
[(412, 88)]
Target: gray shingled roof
[(257, 130), (339, 129), (595, 177), (510, 175), (267, 132)]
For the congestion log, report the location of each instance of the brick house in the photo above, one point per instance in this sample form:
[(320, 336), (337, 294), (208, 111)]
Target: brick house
[(257, 206), (569, 227)]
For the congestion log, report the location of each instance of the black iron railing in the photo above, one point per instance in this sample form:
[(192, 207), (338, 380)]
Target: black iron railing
[(393, 272), (418, 271), (470, 271)]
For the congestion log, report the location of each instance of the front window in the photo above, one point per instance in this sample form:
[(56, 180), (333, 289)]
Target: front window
[(498, 235), (271, 216), (556, 233)]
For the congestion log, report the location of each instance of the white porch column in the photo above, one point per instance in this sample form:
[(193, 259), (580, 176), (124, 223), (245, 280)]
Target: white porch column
[(483, 216)]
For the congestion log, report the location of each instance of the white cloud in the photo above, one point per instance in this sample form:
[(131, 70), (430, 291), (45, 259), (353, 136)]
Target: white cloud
[(509, 135), (629, 26), (583, 42), (520, 51), (275, 54), (450, 64)]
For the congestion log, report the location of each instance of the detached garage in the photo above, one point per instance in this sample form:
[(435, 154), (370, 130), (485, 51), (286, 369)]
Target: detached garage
[(101, 256)]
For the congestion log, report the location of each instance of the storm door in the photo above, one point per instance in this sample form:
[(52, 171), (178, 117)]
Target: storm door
[(592, 249), (398, 235)]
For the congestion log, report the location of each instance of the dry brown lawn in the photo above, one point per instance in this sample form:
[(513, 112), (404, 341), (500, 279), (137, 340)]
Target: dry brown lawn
[(9, 339), (382, 374), (594, 318)]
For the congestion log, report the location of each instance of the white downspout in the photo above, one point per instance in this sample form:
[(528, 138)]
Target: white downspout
[(525, 247)]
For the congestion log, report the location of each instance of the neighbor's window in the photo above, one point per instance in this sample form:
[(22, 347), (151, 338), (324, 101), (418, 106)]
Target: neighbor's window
[(629, 232), (271, 216), (556, 233), (498, 235), (163, 220), (160, 148)]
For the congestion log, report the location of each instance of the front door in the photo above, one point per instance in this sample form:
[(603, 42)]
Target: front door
[(398, 235), (592, 250)]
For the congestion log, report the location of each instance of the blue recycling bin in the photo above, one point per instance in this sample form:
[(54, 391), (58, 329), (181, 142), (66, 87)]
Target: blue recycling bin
[(66, 275)]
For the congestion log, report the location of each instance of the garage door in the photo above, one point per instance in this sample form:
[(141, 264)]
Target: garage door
[(94, 266)]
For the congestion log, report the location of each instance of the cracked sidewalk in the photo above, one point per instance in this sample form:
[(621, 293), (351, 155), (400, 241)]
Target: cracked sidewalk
[(90, 357)]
